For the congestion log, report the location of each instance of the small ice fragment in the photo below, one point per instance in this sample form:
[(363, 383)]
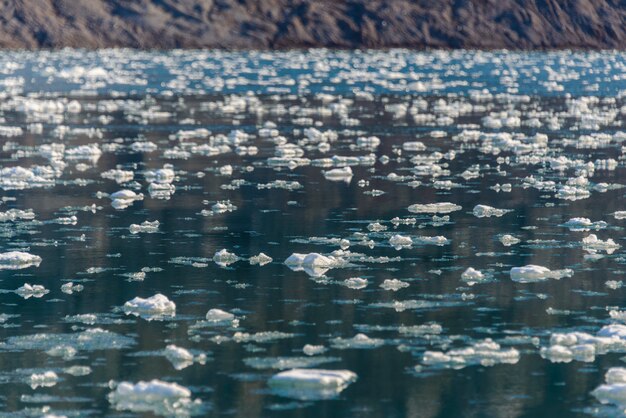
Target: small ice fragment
[(218, 315), (444, 207), (472, 276), (15, 260), (223, 258), (311, 384), (533, 273), (313, 350), (47, 379), (508, 240), (355, 283), (149, 308), (146, 227), (70, 288), (261, 259), (483, 211), (31, 291), (360, 341), (339, 174), (394, 284), (399, 241), (156, 396)]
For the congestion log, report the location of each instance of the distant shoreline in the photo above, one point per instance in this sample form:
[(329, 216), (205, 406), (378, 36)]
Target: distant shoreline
[(520, 25)]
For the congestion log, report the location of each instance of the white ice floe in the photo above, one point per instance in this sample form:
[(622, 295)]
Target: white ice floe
[(314, 264), (533, 273), (472, 276), (155, 396), (44, 380), (483, 211), (508, 240), (400, 241), (311, 384), (146, 227), (224, 258), (154, 307), (16, 260), (28, 291), (445, 207), (182, 358), (593, 244), (261, 259), (339, 174), (124, 198), (313, 350), (219, 316), (485, 353), (355, 283), (394, 284), (584, 224), (361, 341)]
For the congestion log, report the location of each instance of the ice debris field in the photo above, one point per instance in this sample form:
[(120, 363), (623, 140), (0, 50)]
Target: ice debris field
[(312, 234)]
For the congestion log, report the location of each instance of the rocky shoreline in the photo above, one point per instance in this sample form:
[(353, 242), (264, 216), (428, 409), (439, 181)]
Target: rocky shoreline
[(281, 24)]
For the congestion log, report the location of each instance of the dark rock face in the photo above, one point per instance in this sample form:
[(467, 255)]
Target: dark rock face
[(516, 24)]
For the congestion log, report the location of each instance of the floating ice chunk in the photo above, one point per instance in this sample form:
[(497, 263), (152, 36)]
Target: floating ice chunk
[(394, 284), (437, 240), (31, 291), (182, 358), (339, 174), (226, 170), (592, 244), (584, 224), (44, 380), (158, 397), (613, 391), (400, 241), (564, 354), (69, 288), (472, 276), (444, 207), (119, 176), (260, 259), (295, 260), (143, 146), (314, 264), (414, 146), (16, 260), (533, 273), (145, 227), (313, 350), (376, 227), (218, 315), (620, 215), (161, 176), (16, 214), (311, 384), (358, 341), (508, 240), (223, 258), (154, 307), (66, 351), (84, 152), (484, 353), (20, 178), (613, 330), (124, 198), (223, 207), (355, 283), (483, 211)]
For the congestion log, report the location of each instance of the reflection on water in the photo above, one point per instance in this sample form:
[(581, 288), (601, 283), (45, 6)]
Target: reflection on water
[(245, 174)]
